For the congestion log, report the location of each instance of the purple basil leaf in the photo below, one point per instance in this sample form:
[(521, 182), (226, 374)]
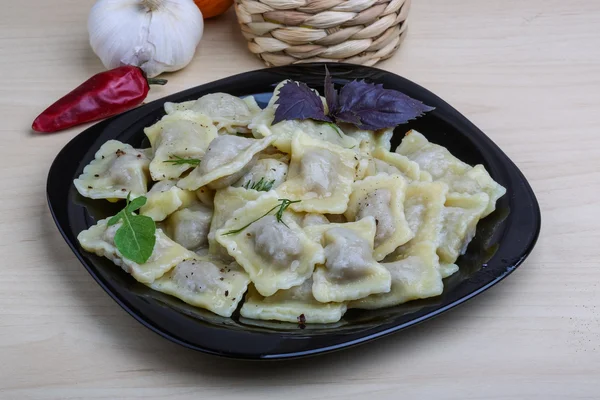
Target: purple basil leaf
[(298, 101), (331, 94), (376, 107), (347, 116)]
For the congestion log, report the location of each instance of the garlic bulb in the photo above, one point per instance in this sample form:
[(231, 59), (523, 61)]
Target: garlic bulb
[(155, 35)]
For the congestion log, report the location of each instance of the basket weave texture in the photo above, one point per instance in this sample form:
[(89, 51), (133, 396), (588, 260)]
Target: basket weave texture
[(283, 32)]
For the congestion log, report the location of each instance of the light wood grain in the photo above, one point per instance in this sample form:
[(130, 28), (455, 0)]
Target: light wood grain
[(526, 72)]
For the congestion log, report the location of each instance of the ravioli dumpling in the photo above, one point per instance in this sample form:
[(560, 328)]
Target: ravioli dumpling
[(226, 160), (296, 304), (262, 126), (415, 266), (206, 283), (443, 166), (381, 197), (424, 209), (320, 174), (116, 170), (414, 276), (190, 226), (183, 134), (401, 165), (349, 272), (271, 171), (370, 140), (229, 113), (164, 199), (227, 201), (99, 239), (460, 217), (276, 254), (447, 270)]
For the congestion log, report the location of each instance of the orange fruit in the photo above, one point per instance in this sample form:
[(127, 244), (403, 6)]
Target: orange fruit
[(212, 8)]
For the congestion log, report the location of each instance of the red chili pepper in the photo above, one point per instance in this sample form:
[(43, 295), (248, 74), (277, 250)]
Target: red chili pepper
[(104, 94)]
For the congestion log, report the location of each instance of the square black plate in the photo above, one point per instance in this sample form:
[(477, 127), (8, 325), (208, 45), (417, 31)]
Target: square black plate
[(502, 242)]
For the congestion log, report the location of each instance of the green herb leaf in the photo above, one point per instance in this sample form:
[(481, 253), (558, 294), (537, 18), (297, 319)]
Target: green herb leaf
[(281, 207), (136, 203), (135, 238), (262, 185), (337, 128), (181, 161)]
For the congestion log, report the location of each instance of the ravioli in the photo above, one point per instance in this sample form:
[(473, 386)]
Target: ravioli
[(349, 272), (403, 165), (99, 239), (447, 270), (382, 197), (370, 140), (164, 199), (460, 217), (276, 254), (227, 159), (295, 304), (443, 166), (415, 276), (424, 209), (227, 201), (206, 283), (271, 171), (320, 174), (183, 134), (230, 114), (116, 171), (190, 226), (262, 126)]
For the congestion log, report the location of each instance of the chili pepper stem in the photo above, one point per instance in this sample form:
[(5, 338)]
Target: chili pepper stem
[(156, 81)]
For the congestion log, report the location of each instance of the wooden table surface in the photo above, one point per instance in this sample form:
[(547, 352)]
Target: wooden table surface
[(526, 72)]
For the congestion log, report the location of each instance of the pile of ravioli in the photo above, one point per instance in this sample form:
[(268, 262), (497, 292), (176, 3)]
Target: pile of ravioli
[(368, 228)]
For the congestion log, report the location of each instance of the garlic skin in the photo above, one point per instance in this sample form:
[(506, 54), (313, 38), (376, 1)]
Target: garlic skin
[(155, 35)]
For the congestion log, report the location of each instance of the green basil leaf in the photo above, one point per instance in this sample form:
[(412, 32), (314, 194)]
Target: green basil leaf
[(136, 204), (136, 238), (116, 218)]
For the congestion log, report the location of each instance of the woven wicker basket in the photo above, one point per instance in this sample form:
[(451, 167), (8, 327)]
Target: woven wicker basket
[(283, 32)]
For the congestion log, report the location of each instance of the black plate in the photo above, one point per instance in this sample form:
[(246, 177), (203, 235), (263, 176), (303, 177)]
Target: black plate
[(502, 242)]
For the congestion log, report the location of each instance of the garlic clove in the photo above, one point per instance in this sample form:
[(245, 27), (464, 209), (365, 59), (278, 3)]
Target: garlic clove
[(173, 54), (156, 35)]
